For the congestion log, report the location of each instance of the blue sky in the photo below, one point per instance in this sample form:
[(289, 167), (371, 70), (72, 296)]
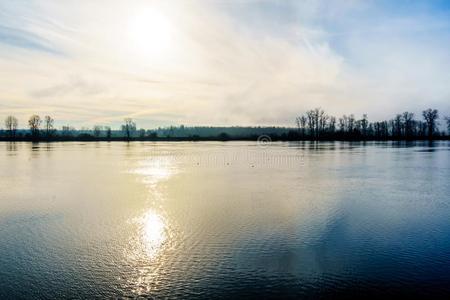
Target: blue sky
[(244, 62)]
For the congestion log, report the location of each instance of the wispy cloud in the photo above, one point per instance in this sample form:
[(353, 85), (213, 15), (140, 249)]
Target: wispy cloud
[(223, 62), (18, 38)]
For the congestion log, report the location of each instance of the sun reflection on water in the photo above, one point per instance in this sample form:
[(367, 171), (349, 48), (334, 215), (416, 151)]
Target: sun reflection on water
[(155, 170), (150, 236), (153, 233)]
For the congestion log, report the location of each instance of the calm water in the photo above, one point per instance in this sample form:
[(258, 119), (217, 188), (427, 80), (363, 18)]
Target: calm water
[(202, 220)]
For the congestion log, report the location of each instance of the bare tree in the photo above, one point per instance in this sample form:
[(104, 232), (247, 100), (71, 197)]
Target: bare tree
[(108, 132), (323, 121), (48, 122), (351, 123), (297, 122), (447, 119), (377, 129), (68, 130), (11, 124), (97, 130), (430, 116), (332, 125), (142, 133), (397, 126), (421, 129), (129, 127), (343, 123), (370, 130), (34, 122), (364, 125), (402, 126), (301, 125), (317, 114), (408, 121), (310, 118)]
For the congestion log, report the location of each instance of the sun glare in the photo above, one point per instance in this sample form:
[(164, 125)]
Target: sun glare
[(154, 234), (150, 33)]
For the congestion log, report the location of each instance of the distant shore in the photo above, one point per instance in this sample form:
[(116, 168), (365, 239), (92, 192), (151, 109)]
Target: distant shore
[(314, 125), (262, 138)]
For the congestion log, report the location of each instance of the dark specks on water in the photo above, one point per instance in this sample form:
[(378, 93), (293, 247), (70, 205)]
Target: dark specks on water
[(192, 220)]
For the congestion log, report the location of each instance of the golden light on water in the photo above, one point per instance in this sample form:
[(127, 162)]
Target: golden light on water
[(150, 235), (153, 231), (155, 170), (149, 239), (151, 226)]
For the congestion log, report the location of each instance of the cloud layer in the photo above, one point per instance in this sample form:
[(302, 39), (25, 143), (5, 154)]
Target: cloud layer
[(222, 62)]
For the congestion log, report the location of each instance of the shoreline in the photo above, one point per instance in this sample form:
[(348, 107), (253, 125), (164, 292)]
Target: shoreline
[(268, 139)]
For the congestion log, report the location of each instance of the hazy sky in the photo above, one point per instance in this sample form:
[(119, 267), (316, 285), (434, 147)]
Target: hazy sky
[(243, 62)]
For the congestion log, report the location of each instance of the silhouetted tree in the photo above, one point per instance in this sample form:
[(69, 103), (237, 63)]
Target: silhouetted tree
[(311, 122), (142, 133), (108, 132), (397, 126), (316, 120), (332, 125), (364, 125), (301, 125), (343, 124), (381, 130), (97, 131), (323, 120), (316, 116), (48, 123), (34, 122), (370, 130), (421, 129), (402, 126), (129, 127), (11, 124), (447, 119), (298, 123), (68, 130), (430, 116), (408, 124), (351, 123), (303, 121)]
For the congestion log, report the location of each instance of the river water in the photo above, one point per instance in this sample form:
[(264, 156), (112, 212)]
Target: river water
[(224, 219)]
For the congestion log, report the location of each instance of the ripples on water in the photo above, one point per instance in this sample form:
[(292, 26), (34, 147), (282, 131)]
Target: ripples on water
[(224, 220)]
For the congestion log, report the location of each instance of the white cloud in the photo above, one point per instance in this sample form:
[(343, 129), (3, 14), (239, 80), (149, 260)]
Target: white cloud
[(226, 64)]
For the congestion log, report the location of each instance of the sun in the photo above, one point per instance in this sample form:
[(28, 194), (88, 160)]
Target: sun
[(150, 33)]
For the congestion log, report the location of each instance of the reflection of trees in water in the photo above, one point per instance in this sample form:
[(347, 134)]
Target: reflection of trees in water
[(11, 147)]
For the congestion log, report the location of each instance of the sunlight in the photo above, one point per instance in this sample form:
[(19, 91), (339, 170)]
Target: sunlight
[(150, 237), (153, 233), (150, 33), (155, 170), (145, 249)]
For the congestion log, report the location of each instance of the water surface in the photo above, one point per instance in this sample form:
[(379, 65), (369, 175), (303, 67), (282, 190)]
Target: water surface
[(222, 220)]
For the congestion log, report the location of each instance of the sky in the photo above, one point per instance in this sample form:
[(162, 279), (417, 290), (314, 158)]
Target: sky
[(223, 62)]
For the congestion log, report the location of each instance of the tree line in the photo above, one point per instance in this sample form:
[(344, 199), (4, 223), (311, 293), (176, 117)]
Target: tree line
[(315, 124), (44, 129)]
